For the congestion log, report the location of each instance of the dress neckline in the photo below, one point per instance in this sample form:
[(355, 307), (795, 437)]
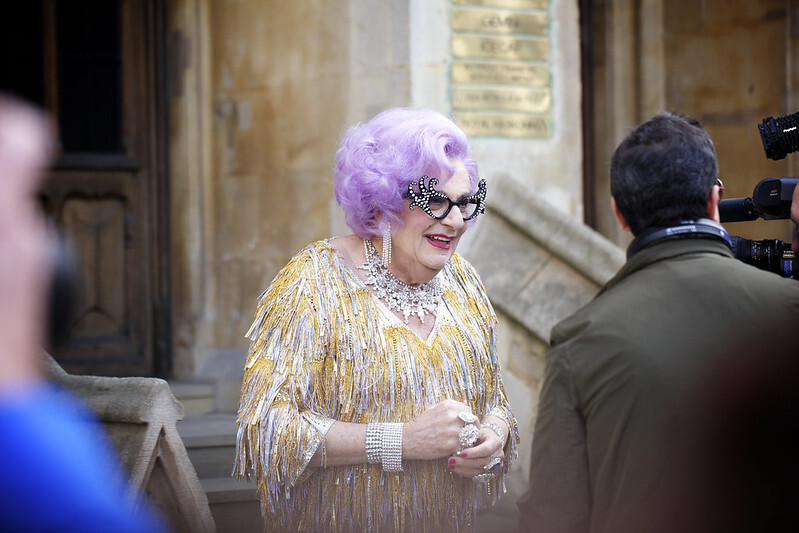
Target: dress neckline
[(396, 321)]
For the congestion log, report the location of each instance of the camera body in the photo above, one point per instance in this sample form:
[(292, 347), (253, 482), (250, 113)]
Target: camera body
[(770, 200)]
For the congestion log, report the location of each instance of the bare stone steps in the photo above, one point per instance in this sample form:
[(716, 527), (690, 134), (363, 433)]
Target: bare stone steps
[(234, 505), (197, 398), (210, 441)]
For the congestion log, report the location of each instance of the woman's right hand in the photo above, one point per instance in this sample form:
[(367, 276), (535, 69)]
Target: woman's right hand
[(434, 433)]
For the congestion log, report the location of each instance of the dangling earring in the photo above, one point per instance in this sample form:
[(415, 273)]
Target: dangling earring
[(387, 244)]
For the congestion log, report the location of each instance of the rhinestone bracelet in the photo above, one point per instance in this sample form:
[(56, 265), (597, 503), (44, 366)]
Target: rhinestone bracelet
[(384, 445), (496, 429), (374, 434), (500, 413), (391, 447)]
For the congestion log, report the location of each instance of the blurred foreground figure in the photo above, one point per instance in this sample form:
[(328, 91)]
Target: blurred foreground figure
[(57, 470), (622, 441)]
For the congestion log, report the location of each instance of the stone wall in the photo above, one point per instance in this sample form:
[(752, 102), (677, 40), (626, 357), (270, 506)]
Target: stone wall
[(262, 90)]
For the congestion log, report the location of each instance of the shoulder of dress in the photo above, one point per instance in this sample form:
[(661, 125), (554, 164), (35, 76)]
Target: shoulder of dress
[(463, 284), (461, 267), (306, 282), (315, 249), (460, 261), (316, 256), (459, 271)]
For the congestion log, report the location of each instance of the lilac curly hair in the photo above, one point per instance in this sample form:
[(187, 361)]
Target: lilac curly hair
[(378, 159)]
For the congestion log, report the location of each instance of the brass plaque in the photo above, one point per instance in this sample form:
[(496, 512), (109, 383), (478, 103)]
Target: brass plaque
[(496, 21), (504, 125), (514, 4), (500, 73), (513, 99), (500, 47)]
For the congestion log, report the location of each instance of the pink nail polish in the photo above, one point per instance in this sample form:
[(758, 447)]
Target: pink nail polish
[(462, 454), (451, 461), (451, 466)]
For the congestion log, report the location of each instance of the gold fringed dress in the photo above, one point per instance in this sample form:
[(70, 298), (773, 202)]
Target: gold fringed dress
[(324, 348)]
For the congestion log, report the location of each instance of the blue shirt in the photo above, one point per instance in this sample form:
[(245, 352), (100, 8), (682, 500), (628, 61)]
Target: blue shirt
[(58, 471)]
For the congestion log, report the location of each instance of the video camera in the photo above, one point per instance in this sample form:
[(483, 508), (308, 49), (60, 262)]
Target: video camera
[(770, 200)]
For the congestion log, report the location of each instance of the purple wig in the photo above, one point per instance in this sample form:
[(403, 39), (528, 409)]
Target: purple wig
[(378, 159)]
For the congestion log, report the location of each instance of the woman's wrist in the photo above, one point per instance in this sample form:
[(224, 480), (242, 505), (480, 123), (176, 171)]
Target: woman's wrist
[(494, 426)]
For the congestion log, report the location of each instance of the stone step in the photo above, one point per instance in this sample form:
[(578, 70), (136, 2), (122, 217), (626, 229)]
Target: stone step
[(197, 398), (210, 441), (234, 505)]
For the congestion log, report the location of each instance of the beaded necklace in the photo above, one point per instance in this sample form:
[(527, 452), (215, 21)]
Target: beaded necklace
[(417, 299)]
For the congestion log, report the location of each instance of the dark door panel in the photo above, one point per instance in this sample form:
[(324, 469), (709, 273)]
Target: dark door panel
[(96, 66), (99, 216)]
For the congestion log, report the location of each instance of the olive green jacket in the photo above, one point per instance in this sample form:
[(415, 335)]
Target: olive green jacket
[(620, 376)]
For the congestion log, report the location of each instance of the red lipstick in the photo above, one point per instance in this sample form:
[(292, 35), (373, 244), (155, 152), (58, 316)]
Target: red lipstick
[(439, 241)]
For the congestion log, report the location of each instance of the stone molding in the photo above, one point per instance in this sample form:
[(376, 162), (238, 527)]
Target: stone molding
[(538, 264)]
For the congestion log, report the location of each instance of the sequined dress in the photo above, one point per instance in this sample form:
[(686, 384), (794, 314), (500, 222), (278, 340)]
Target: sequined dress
[(324, 348)]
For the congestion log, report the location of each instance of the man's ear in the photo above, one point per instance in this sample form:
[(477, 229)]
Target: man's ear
[(713, 204), (619, 216)]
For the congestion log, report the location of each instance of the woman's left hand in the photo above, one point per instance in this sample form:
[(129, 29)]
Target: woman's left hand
[(473, 461)]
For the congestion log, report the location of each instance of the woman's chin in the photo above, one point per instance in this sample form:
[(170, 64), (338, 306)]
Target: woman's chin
[(437, 262)]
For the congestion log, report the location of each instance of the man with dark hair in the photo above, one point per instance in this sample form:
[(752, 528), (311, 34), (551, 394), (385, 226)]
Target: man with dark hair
[(623, 373)]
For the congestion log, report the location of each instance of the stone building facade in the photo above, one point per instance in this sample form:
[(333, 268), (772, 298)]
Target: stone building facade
[(268, 86)]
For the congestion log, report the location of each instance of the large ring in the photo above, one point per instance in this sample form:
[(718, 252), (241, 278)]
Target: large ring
[(468, 435), (493, 465), (466, 416), (483, 478)]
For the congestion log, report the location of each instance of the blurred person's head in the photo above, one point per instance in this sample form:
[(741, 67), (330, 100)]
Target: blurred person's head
[(25, 139), (664, 173), (26, 247)]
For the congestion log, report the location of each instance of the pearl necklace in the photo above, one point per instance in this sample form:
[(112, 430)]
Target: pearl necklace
[(417, 299)]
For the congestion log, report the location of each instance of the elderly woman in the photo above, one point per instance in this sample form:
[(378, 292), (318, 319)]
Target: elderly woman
[(372, 396)]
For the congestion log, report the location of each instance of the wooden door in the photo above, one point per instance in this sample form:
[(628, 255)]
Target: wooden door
[(96, 66)]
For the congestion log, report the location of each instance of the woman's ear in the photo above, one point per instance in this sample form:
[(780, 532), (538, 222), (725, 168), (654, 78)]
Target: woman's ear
[(619, 216)]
